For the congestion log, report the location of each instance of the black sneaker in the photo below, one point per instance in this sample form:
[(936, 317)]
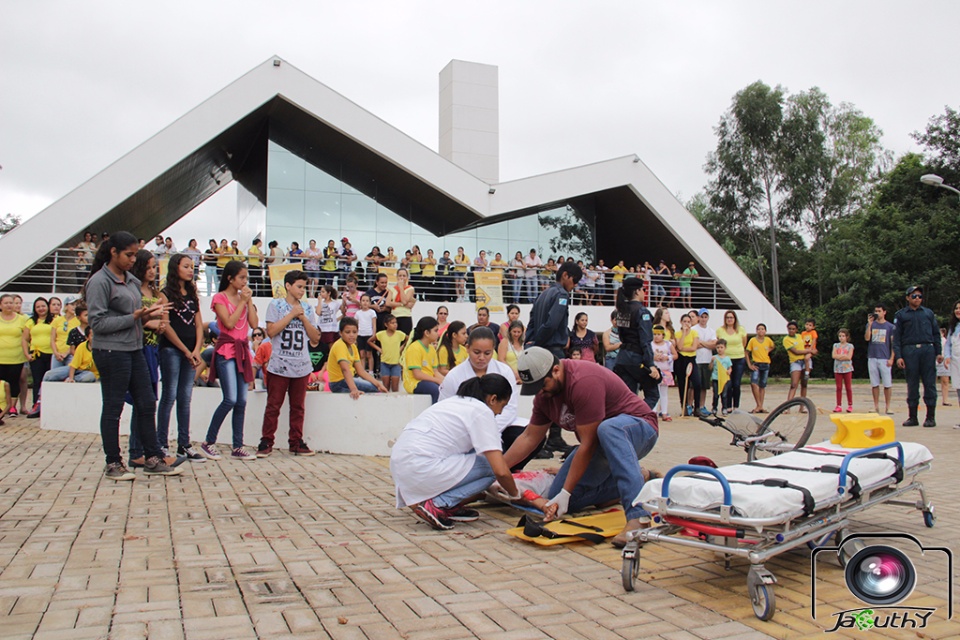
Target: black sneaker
[(464, 515), (155, 466), (35, 412), (544, 454), (910, 422), (264, 449), (929, 422), (191, 454)]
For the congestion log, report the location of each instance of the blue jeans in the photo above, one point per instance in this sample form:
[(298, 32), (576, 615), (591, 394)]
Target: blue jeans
[(234, 389), (341, 386), (759, 377), (476, 481), (391, 370), (532, 288), (176, 384), (736, 375), (212, 278), (613, 473), (150, 355), (427, 388), (516, 283), (122, 371), (59, 371)]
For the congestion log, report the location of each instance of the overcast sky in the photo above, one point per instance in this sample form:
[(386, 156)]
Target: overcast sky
[(85, 82)]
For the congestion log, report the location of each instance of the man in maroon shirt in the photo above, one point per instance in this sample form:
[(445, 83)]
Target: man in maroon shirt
[(615, 429)]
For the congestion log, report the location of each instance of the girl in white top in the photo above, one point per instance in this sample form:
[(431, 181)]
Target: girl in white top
[(664, 353), (451, 452)]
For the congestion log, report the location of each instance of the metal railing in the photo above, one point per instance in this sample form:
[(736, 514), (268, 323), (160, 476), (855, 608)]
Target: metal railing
[(66, 269)]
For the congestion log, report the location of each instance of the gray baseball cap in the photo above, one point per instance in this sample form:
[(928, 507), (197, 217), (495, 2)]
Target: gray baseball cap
[(533, 365)]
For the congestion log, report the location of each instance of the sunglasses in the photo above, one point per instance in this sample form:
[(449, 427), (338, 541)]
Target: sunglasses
[(257, 335), (916, 296)]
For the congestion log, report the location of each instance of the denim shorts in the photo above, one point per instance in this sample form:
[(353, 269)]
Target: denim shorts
[(759, 377), (391, 370), (796, 366)]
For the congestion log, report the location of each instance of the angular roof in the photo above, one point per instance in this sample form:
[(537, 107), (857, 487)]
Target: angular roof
[(224, 138)]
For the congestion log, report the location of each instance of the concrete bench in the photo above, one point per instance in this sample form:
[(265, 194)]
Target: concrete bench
[(335, 423)]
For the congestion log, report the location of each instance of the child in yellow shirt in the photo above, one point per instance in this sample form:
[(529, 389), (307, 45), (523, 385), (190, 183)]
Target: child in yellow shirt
[(344, 365)]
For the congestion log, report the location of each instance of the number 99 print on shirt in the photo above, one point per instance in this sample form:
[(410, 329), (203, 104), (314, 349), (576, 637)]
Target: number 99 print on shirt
[(290, 357)]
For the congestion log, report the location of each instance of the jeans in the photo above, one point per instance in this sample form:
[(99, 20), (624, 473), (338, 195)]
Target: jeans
[(532, 288), (515, 287), (341, 386), (478, 480), (724, 397), (614, 471), (60, 364), (213, 281), (736, 375), (277, 388), (59, 371), (234, 389), (427, 388), (176, 380), (151, 357), (759, 377), (122, 371)]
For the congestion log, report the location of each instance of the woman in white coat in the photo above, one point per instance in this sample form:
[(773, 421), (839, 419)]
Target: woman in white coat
[(451, 452)]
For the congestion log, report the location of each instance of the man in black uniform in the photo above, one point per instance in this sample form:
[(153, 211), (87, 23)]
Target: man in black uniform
[(549, 327), (916, 347)]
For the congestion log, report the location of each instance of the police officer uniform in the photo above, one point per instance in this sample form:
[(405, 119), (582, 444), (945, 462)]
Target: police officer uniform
[(916, 340), (635, 360), (549, 321)]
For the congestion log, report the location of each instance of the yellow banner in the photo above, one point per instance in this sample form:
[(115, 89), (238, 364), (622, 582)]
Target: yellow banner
[(391, 275), (489, 290), (162, 264), (277, 274)]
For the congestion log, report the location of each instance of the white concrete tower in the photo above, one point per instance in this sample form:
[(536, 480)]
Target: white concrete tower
[(469, 118)]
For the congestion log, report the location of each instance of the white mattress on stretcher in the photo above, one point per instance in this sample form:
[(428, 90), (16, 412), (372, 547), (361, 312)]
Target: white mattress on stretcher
[(703, 492)]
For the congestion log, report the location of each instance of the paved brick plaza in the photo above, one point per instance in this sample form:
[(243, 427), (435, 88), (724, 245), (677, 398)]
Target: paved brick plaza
[(313, 548)]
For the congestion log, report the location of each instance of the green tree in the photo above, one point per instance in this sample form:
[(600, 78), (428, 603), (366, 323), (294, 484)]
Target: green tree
[(574, 235), (942, 140), (746, 167)]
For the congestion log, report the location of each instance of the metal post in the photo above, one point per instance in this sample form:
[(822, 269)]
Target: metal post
[(714, 292), (56, 264)]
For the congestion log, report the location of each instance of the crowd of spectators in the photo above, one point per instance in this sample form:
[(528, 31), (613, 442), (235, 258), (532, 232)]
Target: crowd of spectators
[(435, 278)]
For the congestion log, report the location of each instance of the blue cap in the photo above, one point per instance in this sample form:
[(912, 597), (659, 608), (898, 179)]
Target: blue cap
[(703, 312)]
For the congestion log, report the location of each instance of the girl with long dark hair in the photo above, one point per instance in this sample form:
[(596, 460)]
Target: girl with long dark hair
[(116, 315), (420, 374), (583, 338), (452, 352), (39, 350), (180, 347), (736, 336), (451, 452), (232, 362)]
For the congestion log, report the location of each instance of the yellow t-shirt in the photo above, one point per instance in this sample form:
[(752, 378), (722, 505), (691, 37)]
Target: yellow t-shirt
[(429, 268), (330, 264), (226, 255), (390, 346), (83, 359), (339, 352), (401, 311), (497, 266), (255, 254), (63, 328), (618, 272), (40, 336), (461, 264), (11, 349), (458, 356), (760, 349), (734, 341), (418, 356), (3, 396), (685, 345), (789, 343), (416, 263)]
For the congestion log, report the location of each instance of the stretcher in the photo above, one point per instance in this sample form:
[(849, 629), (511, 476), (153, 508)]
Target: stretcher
[(760, 509)]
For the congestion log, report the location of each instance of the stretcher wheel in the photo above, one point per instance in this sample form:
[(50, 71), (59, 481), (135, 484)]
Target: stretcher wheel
[(764, 602), (929, 518), (630, 568), (790, 427)]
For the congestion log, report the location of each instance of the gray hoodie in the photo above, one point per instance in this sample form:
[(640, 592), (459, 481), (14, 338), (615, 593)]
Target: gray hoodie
[(111, 302)]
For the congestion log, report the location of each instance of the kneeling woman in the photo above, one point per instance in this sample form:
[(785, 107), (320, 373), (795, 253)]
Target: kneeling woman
[(450, 453)]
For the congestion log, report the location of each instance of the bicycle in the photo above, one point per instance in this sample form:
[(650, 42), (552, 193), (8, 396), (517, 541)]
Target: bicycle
[(786, 428)]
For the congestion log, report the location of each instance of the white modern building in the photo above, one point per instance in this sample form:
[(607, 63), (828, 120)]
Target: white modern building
[(312, 164)]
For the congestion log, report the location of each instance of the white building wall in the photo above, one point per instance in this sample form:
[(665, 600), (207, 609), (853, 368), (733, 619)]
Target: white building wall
[(469, 118)]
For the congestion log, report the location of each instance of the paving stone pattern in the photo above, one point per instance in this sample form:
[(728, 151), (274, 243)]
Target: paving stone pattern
[(313, 548)]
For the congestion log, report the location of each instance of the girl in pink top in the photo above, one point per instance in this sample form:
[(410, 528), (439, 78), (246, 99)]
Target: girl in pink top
[(232, 362)]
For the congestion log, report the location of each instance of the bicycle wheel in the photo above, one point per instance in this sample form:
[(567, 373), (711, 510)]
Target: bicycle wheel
[(788, 427)]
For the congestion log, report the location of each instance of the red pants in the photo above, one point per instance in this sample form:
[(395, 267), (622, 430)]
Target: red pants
[(844, 380), (277, 388)]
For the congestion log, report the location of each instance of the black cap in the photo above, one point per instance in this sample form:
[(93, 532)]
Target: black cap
[(916, 287)]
